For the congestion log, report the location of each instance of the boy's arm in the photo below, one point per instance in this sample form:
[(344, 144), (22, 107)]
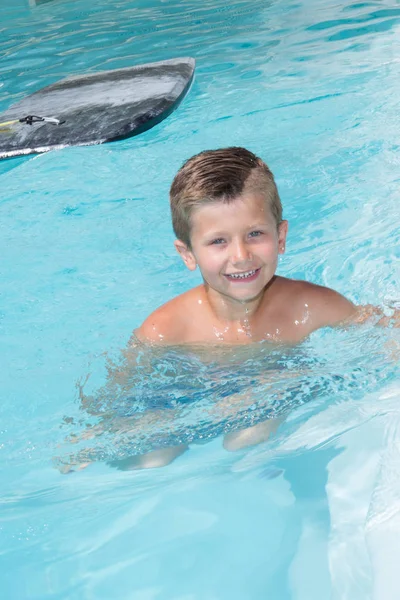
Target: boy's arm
[(162, 326), (150, 331), (324, 307), (330, 309)]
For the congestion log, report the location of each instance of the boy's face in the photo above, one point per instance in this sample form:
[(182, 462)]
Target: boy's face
[(235, 245)]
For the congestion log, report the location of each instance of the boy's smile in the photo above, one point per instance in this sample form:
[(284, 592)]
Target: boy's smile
[(236, 246), (243, 277)]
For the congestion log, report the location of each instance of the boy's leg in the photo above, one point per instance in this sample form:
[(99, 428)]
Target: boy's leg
[(126, 425)]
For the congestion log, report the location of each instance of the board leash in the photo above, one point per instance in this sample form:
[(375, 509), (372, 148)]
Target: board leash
[(31, 119)]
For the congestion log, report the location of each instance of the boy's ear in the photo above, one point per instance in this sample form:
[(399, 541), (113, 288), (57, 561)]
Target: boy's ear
[(186, 255), (282, 233)]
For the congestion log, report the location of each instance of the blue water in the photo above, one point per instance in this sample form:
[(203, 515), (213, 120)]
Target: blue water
[(86, 252)]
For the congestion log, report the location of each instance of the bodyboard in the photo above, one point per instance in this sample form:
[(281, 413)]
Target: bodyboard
[(95, 108)]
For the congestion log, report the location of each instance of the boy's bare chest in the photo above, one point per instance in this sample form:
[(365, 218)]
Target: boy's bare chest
[(279, 326)]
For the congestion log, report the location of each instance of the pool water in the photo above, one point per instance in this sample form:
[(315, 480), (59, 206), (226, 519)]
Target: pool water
[(86, 253)]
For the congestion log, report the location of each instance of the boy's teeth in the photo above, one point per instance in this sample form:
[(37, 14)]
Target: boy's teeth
[(242, 275)]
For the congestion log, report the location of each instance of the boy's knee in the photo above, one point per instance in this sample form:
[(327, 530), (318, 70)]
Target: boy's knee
[(161, 458), (251, 436), (151, 460), (235, 441)]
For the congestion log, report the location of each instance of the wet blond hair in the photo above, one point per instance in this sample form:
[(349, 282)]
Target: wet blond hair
[(219, 175)]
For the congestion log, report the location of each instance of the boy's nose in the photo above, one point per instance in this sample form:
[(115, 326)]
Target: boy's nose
[(240, 253)]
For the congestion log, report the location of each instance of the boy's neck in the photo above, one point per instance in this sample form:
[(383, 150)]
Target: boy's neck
[(229, 310)]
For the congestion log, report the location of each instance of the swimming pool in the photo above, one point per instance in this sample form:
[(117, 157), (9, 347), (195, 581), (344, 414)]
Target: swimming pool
[(86, 252)]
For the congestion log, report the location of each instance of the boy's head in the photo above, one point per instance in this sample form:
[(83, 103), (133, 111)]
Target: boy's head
[(219, 176)]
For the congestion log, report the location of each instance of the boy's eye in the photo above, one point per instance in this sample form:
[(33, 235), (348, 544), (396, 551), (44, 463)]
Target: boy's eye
[(218, 241), (256, 233)]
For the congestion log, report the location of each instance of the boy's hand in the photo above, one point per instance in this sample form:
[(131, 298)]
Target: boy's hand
[(369, 312)]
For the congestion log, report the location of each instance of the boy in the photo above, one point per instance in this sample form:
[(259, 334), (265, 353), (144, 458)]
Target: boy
[(227, 217)]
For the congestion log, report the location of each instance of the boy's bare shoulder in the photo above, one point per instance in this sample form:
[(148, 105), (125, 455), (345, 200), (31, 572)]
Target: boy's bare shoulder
[(168, 323), (323, 306)]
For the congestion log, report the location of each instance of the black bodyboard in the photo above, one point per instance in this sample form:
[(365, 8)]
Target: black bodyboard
[(96, 108)]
